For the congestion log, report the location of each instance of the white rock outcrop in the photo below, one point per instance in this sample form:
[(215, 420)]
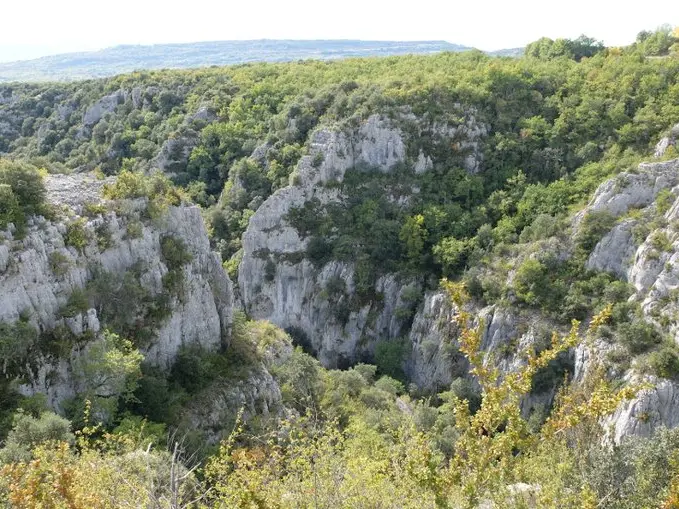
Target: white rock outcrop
[(99, 109), (40, 272), (666, 142), (279, 284), (435, 361), (652, 409)]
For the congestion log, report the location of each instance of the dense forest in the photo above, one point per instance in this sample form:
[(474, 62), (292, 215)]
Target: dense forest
[(493, 219)]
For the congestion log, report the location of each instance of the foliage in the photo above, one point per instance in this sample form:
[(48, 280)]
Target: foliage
[(107, 370), (29, 432), (26, 184), (390, 356), (156, 188), (18, 341), (638, 336), (22, 193), (77, 234), (59, 263), (582, 47), (558, 123), (594, 226), (489, 440)]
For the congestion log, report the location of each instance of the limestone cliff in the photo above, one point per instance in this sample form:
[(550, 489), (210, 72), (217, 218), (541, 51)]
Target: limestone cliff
[(279, 283), (114, 253), (641, 248)]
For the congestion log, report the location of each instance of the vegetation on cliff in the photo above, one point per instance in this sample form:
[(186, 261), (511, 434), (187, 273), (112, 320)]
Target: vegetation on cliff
[(491, 210)]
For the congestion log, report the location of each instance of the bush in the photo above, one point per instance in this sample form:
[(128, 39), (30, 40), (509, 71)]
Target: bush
[(10, 210), (388, 384), (542, 227), (553, 374), (104, 236), (28, 431), (660, 241), (452, 253), (26, 184), (319, 251), (77, 235), (269, 270), (638, 337), (78, 302), (592, 228), (174, 251), (664, 362), (17, 341), (231, 265), (531, 281), (664, 201), (59, 263), (389, 357), (300, 380), (466, 390), (134, 230), (157, 188)]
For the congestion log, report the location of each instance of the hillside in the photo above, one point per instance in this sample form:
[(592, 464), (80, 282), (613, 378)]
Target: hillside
[(434, 281), (122, 59)]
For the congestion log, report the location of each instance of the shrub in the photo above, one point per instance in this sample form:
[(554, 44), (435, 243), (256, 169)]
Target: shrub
[(542, 227), (134, 230), (26, 184), (104, 236), (639, 336), (59, 263), (464, 389), (389, 357), (664, 201), (77, 235), (319, 251), (300, 380), (10, 210), (452, 253), (269, 270), (390, 385), (78, 302), (231, 265), (128, 185), (531, 281), (553, 374), (29, 431), (592, 228), (157, 188), (94, 209), (173, 282), (146, 432), (336, 287), (367, 371), (193, 368), (660, 241), (17, 341), (664, 362), (175, 253)]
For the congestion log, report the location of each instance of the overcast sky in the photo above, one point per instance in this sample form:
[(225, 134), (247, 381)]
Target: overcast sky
[(32, 28)]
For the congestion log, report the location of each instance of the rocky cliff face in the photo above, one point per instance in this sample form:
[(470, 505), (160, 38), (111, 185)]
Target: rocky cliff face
[(641, 248), (277, 281), (434, 361), (119, 253)]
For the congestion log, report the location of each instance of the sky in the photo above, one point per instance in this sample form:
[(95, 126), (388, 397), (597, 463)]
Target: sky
[(33, 28)]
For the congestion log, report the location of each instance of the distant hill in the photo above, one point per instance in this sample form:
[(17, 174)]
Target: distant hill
[(121, 59), (509, 52)]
